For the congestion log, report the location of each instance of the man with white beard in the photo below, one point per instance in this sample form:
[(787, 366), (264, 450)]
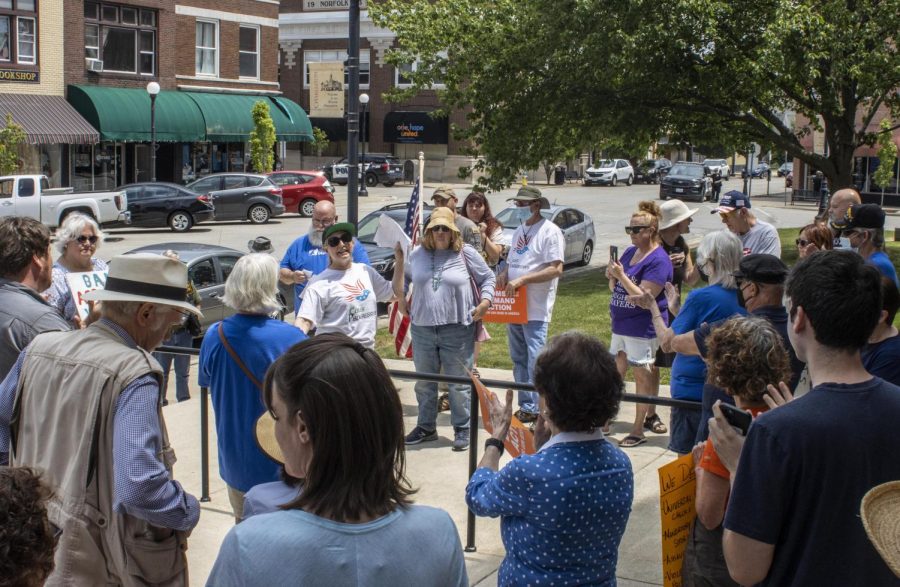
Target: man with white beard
[(306, 257)]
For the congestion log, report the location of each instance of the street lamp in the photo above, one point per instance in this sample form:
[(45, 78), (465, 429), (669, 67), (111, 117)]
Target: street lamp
[(153, 90), (364, 132)]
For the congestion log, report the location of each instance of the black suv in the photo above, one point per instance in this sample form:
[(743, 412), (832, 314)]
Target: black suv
[(686, 180), (652, 170), (381, 168)]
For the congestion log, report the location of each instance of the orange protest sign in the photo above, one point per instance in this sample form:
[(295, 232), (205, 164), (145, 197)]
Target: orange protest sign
[(508, 309), (519, 440), (677, 491)]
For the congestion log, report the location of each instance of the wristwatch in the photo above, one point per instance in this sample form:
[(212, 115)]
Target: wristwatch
[(498, 444)]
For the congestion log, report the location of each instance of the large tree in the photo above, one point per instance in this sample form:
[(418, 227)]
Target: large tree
[(540, 75)]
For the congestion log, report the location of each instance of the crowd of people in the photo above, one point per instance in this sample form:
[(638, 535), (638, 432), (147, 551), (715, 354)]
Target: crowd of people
[(311, 440)]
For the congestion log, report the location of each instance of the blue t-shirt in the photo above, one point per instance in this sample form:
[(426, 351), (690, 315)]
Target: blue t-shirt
[(706, 304), (258, 341), (418, 545), (802, 474), (883, 359), (631, 320), (883, 263), (302, 255)]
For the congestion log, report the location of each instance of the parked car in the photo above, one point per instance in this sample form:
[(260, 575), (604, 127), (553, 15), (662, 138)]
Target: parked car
[(208, 268), (686, 180), (379, 168), (761, 171), (609, 171), (577, 227), (302, 190), (652, 170), (382, 258), (785, 168), (166, 204), (718, 164), (241, 196), (32, 196)]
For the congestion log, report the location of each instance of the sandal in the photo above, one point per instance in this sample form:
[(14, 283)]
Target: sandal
[(631, 440), (444, 402), (654, 424)]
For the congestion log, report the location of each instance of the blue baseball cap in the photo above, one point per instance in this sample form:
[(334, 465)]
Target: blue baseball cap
[(731, 201)]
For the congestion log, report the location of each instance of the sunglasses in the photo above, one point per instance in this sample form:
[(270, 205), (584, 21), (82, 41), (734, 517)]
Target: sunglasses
[(801, 242), (634, 229), (439, 228), (522, 204), (87, 239), (335, 240)]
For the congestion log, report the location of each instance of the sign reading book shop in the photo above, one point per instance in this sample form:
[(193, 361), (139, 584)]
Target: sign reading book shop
[(17, 75), (331, 4)]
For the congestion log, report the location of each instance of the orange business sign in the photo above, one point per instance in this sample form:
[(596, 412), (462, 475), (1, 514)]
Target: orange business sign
[(509, 309), (519, 440)]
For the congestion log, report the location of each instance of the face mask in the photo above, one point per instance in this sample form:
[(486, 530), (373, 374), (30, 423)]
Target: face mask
[(742, 302), (703, 276), (523, 214)]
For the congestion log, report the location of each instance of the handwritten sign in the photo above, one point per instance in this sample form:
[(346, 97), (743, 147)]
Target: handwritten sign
[(80, 284), (509, 309), (677, 491), (519, 440)]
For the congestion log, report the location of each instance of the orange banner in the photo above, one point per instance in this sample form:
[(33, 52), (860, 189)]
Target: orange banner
[(509, 309), (677, 492), (519, 440)]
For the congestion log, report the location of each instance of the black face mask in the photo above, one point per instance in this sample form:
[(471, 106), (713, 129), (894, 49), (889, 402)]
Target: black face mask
[(742, 302), (703, 275)]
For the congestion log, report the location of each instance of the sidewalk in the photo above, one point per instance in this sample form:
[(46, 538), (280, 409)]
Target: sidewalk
[(440, 476)]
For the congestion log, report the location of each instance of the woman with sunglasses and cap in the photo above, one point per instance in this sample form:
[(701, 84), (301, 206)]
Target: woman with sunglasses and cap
[(452, 288), (344, 298), (77, 241)]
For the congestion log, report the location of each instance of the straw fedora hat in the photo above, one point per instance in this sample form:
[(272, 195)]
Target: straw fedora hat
[(880, 512), (264, 431), (145, 277), (442, 217), (673, 212)]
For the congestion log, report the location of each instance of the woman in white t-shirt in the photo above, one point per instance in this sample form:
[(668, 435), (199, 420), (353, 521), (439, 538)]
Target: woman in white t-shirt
[(344, 298)]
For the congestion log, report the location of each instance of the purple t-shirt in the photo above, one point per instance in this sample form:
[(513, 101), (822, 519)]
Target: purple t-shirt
[(631, 320)]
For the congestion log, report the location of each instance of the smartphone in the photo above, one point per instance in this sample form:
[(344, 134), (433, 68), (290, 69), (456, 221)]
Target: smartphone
[(614, 253), (737, 417)]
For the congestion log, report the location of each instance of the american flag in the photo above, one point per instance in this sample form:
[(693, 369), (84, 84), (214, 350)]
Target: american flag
[(399, 324)]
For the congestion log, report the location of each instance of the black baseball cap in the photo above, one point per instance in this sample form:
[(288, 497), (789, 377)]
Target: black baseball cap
[(861, 216), (762, 268)]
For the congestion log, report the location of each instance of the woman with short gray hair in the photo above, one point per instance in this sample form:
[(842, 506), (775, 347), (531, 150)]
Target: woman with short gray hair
[(77, 241), (234, 357)]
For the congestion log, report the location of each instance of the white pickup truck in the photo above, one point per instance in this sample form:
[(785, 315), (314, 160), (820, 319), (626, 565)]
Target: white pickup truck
[(31, 195)]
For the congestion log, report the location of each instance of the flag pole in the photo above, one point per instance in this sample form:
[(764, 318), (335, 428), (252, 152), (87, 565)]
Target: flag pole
[(421, 193)]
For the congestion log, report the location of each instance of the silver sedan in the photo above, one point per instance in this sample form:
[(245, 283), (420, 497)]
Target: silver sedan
[(577, 228)]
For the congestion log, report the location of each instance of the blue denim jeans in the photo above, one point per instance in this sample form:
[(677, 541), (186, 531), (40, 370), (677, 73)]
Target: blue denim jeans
[(525, 343), (449, 347), (181, 338)]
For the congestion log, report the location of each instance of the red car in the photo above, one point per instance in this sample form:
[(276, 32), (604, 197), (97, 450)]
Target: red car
[(301, 190)]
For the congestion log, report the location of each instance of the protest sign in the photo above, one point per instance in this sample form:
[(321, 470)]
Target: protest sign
[(677, 491), (508, 309), (80, 284), (519, 440)]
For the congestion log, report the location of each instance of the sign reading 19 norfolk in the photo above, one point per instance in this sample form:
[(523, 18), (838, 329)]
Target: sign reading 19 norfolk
[(330, 4)]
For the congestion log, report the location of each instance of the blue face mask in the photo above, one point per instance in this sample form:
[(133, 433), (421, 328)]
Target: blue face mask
[(522, 214)]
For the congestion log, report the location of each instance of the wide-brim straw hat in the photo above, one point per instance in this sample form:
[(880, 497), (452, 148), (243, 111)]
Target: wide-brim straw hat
[(146, 277), (880, 512), (673, 212), (264, 431)]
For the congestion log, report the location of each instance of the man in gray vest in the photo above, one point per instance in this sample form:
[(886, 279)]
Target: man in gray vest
[(445, 197), (25, 271), (84, 407)]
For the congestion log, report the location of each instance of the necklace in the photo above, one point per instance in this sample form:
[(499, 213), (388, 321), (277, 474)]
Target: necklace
[(436, 273), (527, 236)]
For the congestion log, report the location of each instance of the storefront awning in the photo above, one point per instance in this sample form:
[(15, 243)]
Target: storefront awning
[(123, 114), (229, 117), (47, 120), (415, 127)]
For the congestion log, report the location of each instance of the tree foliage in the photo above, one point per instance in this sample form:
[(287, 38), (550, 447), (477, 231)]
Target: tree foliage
[(262, 138), (11, 136), (887, 156), (320, 141), (542, 74)]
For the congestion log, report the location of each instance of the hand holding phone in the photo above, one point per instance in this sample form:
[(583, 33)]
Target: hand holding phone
[(614, 253), (738, 418)]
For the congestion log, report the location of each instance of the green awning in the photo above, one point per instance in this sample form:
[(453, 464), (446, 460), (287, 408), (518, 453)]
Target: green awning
[(229, 117), (121, 114)]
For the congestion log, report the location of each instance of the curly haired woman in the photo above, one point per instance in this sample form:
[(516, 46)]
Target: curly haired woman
[(27, 539)]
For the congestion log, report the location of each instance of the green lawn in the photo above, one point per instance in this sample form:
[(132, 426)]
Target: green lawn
[(582, 303)]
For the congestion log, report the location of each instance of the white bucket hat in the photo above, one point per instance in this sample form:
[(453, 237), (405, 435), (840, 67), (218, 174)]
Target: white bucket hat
[(673, 212), (145, 277)]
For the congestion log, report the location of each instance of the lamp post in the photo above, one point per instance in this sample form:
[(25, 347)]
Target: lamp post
[(153, 90), (364, 134), (353, 113)]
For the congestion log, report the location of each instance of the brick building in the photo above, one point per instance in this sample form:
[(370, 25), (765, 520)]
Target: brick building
[(308, 34)]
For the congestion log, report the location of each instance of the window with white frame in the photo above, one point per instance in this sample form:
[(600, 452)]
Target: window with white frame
[(18, 31), (403, 79), (122, 37), (322, 56), (248, 48), (207, 54)]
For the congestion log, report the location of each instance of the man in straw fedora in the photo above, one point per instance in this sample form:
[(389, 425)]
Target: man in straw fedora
[(84, 407)]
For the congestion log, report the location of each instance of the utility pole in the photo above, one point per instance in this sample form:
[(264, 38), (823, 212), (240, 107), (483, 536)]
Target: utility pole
[(353, 116)]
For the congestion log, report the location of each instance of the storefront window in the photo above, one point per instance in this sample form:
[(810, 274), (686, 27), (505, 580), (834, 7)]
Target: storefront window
[(44, 160), (82, 168), (107, 163)]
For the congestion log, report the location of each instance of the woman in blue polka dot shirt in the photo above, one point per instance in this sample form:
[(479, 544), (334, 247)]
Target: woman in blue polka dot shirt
[(564, 509)]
